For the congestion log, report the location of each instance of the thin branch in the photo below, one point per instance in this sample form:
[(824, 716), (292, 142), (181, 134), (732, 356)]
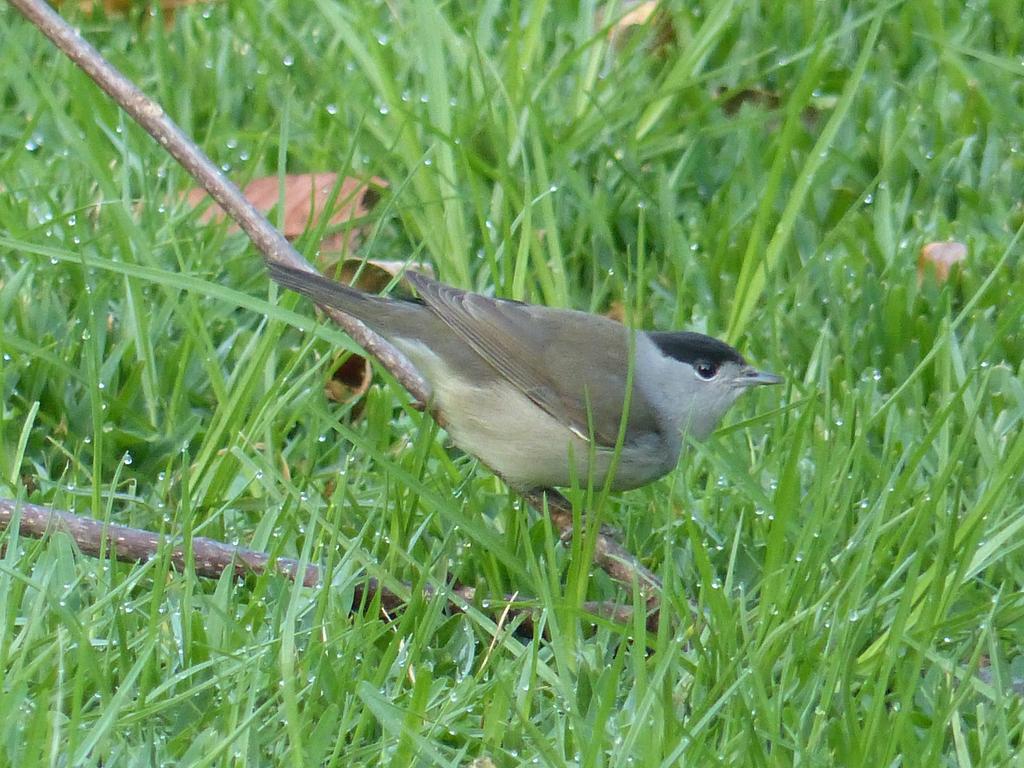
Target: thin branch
[(212, 558)]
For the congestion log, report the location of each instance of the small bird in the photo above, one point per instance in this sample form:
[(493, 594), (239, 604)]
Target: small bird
[(538, 394)]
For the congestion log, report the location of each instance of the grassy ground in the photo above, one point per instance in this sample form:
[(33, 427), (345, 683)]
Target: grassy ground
[(853, 540)]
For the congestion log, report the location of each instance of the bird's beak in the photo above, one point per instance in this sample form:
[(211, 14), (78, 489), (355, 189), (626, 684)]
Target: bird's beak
[(751, 377)]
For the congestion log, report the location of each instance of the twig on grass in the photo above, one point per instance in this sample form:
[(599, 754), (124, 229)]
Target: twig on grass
[(212, 558), (95, 538)]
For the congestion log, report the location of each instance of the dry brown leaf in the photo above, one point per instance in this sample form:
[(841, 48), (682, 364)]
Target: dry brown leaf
[(30, 483), (616, 311), (372, 275), (639, 14), (732, 101), (940, 259), (124, 6), (306, 196), (350, 379), (622, 313)]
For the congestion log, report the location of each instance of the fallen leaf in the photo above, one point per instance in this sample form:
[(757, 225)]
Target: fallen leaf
[(350, 380), (616, 311), (940, 259), (372, 275), (731, 101), (642, 14), (125, 6), (306, 197)]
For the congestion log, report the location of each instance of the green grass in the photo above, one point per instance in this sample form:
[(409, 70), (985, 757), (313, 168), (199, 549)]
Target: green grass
[(853, 540)]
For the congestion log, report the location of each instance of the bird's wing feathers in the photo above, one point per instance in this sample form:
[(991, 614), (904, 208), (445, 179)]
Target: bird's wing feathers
[(526, 345)]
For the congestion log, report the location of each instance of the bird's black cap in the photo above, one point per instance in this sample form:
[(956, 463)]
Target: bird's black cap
[(692, 348)]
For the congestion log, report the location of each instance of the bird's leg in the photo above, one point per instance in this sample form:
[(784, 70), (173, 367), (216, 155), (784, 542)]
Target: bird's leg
[(609, 555)]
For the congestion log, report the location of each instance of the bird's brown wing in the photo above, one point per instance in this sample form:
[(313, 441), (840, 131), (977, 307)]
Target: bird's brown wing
[(527, 345)]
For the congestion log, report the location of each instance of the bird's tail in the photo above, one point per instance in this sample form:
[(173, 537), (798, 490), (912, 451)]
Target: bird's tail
[(321, 289), (383, 314)]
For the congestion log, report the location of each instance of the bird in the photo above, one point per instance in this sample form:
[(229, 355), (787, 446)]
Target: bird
[(540, 395)]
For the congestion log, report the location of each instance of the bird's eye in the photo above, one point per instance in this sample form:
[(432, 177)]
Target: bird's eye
[(706, 370)]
